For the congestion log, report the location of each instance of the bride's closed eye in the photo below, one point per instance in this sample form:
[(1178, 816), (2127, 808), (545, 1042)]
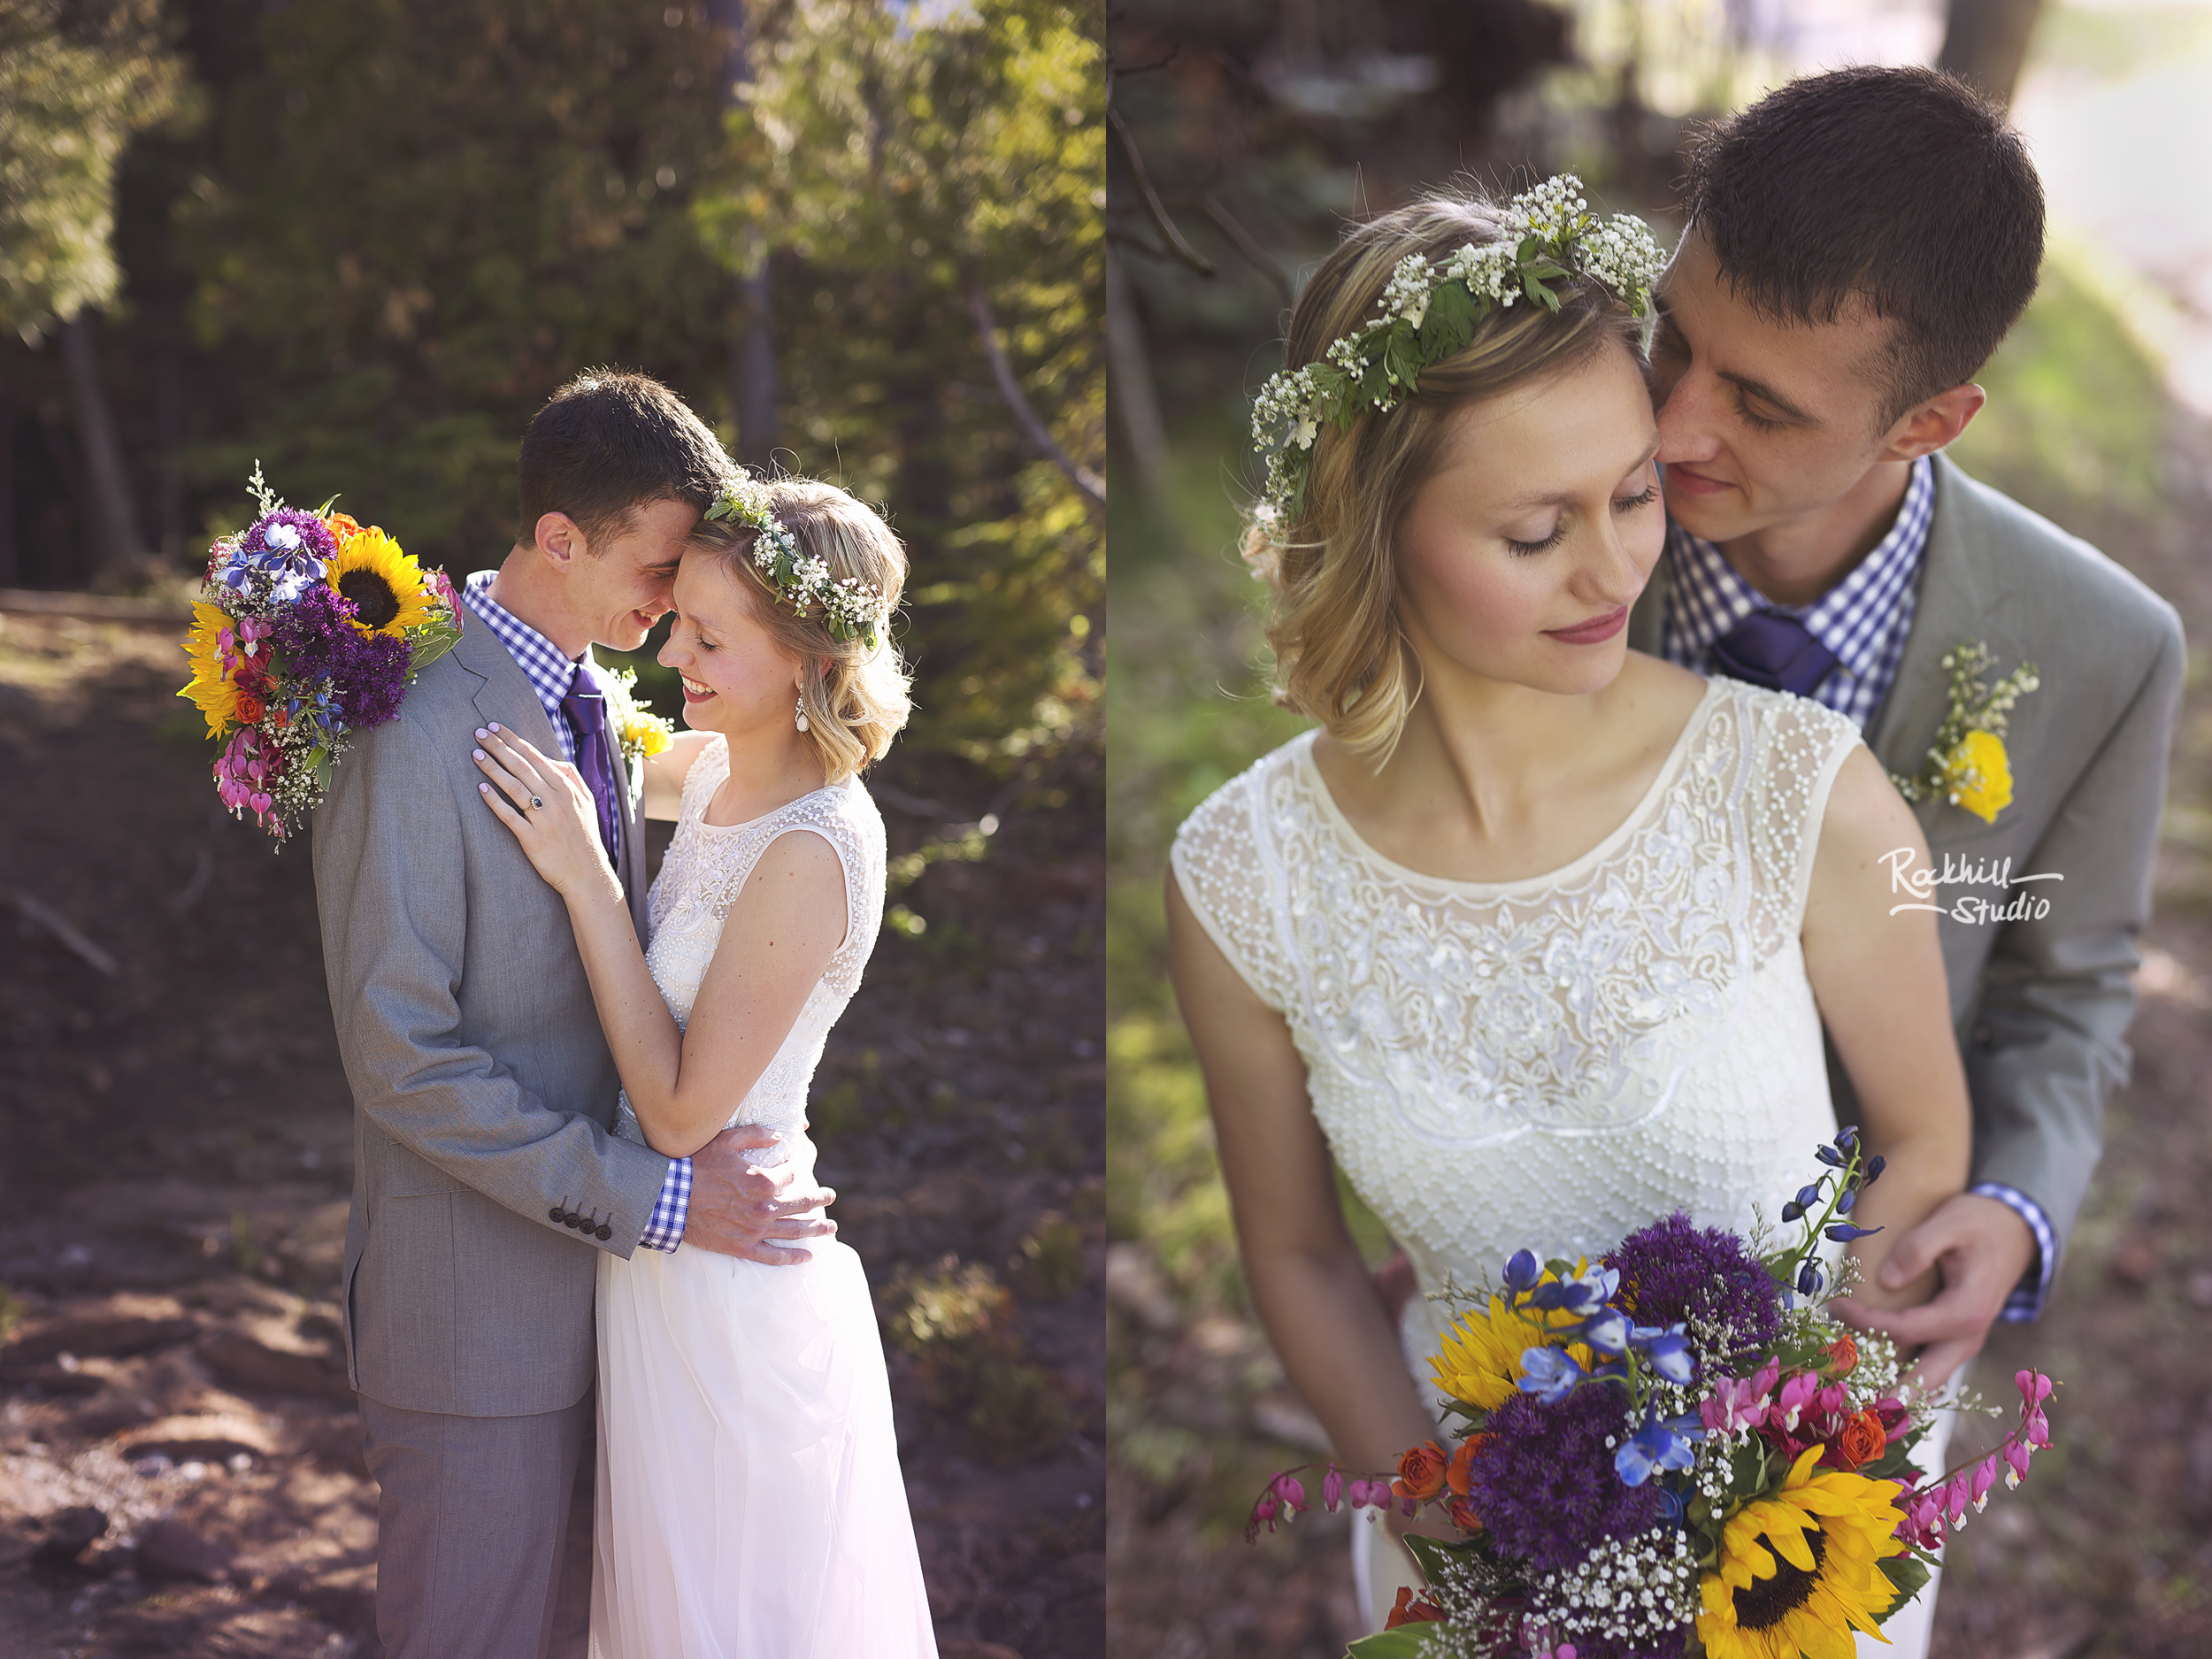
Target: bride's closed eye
[(1621, 504)]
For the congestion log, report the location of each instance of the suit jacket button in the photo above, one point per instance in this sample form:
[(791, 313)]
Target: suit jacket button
[(605, 1232), (555, 1214)]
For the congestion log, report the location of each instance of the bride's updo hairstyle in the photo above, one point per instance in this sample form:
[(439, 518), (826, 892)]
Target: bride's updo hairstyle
[(1341, 655), (856, 696)]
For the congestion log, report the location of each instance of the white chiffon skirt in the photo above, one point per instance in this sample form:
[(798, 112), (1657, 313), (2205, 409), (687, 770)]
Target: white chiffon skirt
[(750, 1501)]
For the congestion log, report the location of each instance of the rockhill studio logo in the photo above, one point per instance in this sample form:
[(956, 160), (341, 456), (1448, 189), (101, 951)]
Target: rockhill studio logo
[(1954, 871)]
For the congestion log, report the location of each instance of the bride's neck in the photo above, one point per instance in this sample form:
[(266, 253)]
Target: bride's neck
[(766, 771), (1496, 751)]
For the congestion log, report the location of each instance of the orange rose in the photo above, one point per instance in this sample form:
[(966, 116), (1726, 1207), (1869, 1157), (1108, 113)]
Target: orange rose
[(1420, 1472), (1409, 1611), (1455, 1475), (1463, 1516), (1843, 1355), (344, 527), (249, 709), (1861, 1441)]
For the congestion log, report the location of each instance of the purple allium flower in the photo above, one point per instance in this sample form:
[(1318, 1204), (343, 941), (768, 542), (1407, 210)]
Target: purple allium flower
[(1594, 1644), (1672, 1271), (315, 539), (1542, 1477), (366, 671)]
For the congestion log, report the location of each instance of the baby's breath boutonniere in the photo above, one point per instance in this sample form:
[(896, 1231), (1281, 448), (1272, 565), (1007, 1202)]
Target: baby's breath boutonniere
[(641, 733), (1967, 765)]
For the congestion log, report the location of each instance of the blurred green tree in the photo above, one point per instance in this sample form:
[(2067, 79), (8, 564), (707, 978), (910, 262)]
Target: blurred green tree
[(936, 177), (76, 81)]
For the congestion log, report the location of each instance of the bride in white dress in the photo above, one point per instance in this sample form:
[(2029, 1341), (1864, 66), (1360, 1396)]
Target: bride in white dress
[(1534, 937), (750, 1501)]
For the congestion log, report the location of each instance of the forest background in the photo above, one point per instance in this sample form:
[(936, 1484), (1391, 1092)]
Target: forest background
[(360, 244), (1245, 137)]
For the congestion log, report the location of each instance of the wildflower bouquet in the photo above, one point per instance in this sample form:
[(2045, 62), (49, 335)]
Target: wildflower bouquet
[(1676, 1452), (308, 628)]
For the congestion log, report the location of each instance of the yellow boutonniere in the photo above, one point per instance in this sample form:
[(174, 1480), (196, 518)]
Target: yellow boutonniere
[(1967, 765), (641, 733)]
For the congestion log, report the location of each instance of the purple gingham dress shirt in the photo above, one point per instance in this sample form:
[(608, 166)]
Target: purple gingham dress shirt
[(552, 676), (1863, 621)]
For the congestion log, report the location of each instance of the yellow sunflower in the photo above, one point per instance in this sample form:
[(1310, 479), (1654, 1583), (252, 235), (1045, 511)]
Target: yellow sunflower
[(1799, 1571), (386, 583), (1480, 1360), (210, 687)]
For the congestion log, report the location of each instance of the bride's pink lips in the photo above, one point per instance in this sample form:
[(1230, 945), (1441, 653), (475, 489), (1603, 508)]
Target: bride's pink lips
[(1593, 632), (694, 697)]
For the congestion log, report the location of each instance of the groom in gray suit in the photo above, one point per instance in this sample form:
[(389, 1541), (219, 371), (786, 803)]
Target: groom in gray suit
[(487, 1180), (1857, 245)]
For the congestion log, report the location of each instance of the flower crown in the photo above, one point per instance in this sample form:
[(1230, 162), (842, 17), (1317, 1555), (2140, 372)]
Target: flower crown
[(1429, 310), (850, 609)]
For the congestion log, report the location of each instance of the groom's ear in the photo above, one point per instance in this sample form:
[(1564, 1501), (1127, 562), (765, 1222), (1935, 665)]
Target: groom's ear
[(1934, 424), (559, 539)]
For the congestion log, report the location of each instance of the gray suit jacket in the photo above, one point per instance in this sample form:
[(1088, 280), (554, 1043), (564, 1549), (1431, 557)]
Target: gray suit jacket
[(483, 1091), (2041, 1006)]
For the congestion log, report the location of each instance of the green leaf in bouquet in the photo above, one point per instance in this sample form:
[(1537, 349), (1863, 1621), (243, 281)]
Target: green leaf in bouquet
[(318, 763), (1435, 1554), (1908, 1574), (1407, 1642), (426, 645)]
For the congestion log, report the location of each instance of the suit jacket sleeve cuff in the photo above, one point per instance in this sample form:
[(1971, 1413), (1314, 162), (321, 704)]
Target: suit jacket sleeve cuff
[(665, 1230), (2034, 1288)]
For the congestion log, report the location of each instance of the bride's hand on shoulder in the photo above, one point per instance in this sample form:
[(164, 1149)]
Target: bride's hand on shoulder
[(550, 809)]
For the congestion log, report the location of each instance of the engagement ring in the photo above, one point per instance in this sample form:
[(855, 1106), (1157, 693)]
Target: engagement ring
[(536, 802)]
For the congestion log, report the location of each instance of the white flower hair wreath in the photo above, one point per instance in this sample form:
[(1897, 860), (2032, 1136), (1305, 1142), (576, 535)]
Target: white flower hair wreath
[(850, 609), (1429, 310)]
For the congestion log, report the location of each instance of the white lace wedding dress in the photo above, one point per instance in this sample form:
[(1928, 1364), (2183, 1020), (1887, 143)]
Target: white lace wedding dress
[(1551, 1063), (749, 1502)]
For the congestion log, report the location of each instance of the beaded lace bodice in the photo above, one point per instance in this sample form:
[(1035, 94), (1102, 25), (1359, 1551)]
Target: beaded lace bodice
[(705, 870), (1553, 1062)]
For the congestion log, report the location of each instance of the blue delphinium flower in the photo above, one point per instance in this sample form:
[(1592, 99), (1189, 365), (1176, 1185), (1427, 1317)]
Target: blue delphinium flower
[(1548, 1374)]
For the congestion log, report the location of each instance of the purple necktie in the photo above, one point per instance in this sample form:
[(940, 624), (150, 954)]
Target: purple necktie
[(586, 708), (1773, 650)]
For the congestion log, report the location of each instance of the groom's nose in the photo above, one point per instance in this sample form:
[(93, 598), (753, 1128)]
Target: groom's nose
[(1687, 416)]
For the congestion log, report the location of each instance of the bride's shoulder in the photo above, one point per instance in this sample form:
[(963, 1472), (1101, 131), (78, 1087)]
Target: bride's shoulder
[(1231, 809)]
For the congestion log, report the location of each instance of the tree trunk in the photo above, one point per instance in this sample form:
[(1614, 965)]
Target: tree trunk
[(1985, 41), (1131, 397), (752, 343), (115, 541)]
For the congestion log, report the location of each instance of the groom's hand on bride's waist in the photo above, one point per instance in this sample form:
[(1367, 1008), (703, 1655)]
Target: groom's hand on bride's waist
[(759, 1213)]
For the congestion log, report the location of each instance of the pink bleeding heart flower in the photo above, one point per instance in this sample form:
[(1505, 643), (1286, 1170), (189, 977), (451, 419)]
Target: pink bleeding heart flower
[(1985, 1478), (261, 804), (1333, 1488), (2016, 1455), (1294, 1495), (2034, 1387)]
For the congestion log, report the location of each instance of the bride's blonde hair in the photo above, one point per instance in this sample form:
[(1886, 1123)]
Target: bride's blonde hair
[(1341, 653), (855, 696)]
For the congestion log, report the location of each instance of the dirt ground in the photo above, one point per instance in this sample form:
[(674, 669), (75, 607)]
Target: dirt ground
[(2105, 1553), (176, 1151)]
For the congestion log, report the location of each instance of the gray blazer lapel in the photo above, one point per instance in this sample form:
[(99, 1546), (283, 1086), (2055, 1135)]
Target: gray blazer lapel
[(1957, 605), (506, 694)]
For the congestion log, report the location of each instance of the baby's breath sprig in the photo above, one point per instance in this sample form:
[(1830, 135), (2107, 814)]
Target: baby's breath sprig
[(850, 609), (1430, 309)]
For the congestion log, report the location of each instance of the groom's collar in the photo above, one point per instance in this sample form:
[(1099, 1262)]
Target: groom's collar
[(551, 675)]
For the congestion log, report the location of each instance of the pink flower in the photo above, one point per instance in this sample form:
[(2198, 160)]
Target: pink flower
[(1985, 1477), (1796, 1394), (2016, 1455), (1737, 1403), (1333, 1488)]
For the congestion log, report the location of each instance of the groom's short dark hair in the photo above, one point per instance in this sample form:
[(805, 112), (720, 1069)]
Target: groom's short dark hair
[(609, 441), (1897, 188)]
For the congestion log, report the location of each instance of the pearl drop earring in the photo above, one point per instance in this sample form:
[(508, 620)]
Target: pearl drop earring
[(800, 719)]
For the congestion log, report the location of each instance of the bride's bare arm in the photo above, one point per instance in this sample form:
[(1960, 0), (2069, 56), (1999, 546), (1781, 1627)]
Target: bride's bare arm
[(1308, 1281), (776, 941), (1879, 981)]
